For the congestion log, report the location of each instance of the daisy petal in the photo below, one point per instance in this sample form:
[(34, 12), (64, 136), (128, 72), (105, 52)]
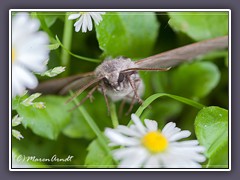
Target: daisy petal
[(120, 139), (17, 87), (25, 77), (168, 127), (78, 24), (84, 23), (124, 152), (127, 131), (152, 162), (89, 22), (138, 123), (135, 160), (180, 135), (185, 143), (73, 16), (96, 17), (151, 125)]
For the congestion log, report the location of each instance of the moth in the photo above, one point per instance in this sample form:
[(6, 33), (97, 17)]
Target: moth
[(118, 78)]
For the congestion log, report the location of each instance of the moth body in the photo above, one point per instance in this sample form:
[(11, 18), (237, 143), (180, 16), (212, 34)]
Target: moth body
[(116, 82)]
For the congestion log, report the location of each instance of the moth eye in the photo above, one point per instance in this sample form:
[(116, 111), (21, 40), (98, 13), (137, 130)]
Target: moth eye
[(106, 82), (120, 78)]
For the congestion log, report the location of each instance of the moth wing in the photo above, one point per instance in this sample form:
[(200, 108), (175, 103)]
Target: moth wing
[(178, 55), (77, 84), (63, 85)]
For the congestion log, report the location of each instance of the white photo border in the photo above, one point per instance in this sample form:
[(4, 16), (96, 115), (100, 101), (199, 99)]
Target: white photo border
[(118, 10)]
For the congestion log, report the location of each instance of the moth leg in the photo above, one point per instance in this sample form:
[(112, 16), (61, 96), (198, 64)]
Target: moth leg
[(103, 89), (133, 100), (120, 111), (83, 88), (133, 85), (131, 106), (91, 98), (89, 95)]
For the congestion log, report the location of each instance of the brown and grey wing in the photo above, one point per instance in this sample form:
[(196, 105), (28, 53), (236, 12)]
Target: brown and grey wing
[(76, 85), (185, 53), (63, 85)]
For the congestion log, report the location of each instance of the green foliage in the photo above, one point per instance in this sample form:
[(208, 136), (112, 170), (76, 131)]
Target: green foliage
[(152, 98), (204, 77), (46, 122), (78, 127), (53, 46), (127, 34), (211, 126), (200, 25), (97, 156)]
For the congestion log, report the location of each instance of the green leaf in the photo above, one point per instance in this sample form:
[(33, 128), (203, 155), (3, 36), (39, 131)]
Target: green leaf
[(152, 98), (19, 162), (93, 126), (200, 25), (166, 109), (128, 34), (18, 99), (77, 56), (78, 128), (53, 46), (226, 60), (211, 127), (46, 122), (50, 19), (195, 80), (97, 156)]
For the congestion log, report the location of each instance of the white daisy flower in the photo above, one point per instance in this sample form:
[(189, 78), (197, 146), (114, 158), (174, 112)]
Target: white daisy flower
[(85, 20), (146, 146), (29, 52)]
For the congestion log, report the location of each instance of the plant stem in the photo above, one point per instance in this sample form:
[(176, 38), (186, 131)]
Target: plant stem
[(153, 97), (94, 127), (75, 55), (67, 41), (114, 115)]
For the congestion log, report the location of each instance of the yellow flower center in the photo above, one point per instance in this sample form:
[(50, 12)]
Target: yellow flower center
[(155, 142), (13, 55)]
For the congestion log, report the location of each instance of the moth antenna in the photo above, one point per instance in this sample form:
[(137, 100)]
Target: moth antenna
[(82, 89), (147, 69), (85, 98), (105, 98)]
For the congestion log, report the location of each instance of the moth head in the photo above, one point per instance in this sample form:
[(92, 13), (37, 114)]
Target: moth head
[(115, 81), (114, 78)]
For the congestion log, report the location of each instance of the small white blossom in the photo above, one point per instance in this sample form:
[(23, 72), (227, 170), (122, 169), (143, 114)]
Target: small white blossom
[(53, 72), (16, 120), (85, 20), (29, 101), (144, 146), (17, 134), (29, 52)]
